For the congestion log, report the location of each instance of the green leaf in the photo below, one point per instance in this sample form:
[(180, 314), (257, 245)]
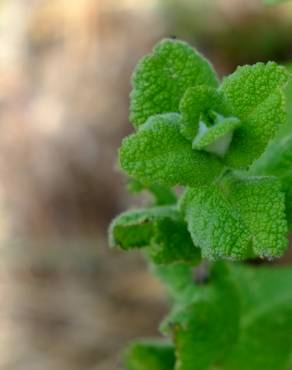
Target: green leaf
[(217, 138), (171, 242), (256, 97), (149, 355), (134, 229), (196, 105), (265, 340), (161, 229), (204, 331), (161, 78), (277, 161), (158, 153), (237, 217)]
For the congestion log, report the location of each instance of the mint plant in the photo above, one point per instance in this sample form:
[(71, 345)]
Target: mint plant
[(214, 141)]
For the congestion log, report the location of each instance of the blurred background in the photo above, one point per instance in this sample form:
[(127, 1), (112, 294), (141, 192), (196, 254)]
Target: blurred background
[(65, 65)]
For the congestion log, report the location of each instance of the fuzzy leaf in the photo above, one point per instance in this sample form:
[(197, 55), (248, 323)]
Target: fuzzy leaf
[(256, 97), (158, 153), (134, 229), (162, 77), (204, 331), (171, 242), (196, 105), (216, 139), (237, 218), (161, 229), (277, 159), (149, 355), (265, 340)]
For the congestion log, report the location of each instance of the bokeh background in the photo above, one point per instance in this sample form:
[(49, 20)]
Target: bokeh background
[(67, 302)]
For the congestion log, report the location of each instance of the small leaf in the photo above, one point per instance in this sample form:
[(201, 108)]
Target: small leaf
[(204, 331), (161, 78), (196, 105), (149, 355), (161, 229), (238, 217), (134, 229), (216, 139), (256, 97), (158, 153)]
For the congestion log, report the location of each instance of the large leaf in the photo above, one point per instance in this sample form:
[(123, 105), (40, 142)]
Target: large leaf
[(255, 94), (277, 159), (237, 218), (158, 153), (162, 77), (265, 340), (204, 331)]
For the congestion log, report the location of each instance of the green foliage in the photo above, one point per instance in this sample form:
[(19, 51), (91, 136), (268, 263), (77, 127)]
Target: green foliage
[(162, 77), (277, 159), (237, 218), (265, 340), (258, 101), (146, 355), (159, 153), (225, 143), (204, 330), (196, 102), (161, 229), (217, 138)]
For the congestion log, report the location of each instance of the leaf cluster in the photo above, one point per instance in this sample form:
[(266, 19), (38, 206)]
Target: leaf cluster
[(204, 135), (223, 144)]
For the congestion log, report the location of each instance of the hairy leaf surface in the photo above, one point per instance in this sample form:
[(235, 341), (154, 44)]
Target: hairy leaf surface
[(277, 161), (161, 78), (255, 94), (158, 153), (216, 139), (196, 105), (161, 229), (237, 218)]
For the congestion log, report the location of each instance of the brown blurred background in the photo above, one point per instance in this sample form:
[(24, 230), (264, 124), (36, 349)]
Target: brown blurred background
[(68, 302)]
